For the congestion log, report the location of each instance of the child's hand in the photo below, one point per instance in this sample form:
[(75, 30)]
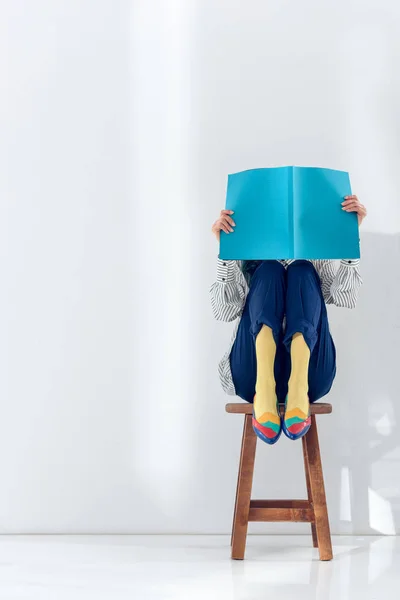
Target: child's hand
[(224, 222), (352, 204)]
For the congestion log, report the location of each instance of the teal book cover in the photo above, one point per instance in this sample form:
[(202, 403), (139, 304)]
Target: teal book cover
[(290, 212)]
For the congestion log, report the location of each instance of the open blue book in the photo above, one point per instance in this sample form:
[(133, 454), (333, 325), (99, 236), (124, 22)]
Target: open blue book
[(290, 212)]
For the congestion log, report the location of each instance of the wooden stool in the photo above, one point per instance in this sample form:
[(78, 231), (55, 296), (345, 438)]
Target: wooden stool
[(313, 510)]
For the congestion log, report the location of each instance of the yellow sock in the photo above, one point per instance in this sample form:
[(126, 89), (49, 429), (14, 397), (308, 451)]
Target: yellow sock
[(298, 382), (265, 400)]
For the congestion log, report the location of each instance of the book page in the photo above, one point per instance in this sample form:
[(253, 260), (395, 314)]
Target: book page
[(260, 200), (322, 230)]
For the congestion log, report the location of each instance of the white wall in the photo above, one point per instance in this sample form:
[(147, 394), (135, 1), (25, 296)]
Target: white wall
[(66, 267), (120, 121)]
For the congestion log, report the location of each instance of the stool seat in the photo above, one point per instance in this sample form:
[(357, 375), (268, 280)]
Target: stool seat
[(246, 408), (311, 510)]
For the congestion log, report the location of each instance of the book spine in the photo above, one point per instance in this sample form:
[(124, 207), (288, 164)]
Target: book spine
[(290, 214)]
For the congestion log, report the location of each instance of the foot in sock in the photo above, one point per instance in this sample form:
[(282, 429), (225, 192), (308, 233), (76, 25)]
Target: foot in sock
[(297, 420), (265, 417)]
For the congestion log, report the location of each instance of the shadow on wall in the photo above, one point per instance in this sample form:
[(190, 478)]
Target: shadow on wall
[(362, 460)]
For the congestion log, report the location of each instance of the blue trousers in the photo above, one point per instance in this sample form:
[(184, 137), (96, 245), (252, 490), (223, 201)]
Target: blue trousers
[(275, 292)]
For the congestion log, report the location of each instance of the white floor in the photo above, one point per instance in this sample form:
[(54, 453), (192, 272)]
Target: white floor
[(196, 567)]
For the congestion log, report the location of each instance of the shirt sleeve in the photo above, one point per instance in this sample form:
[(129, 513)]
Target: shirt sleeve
[(340, 286), (228, 292)]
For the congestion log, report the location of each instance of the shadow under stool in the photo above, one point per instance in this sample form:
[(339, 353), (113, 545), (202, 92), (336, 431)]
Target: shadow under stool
[(313, 510)]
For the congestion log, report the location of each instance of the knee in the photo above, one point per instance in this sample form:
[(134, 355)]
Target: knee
[(302, 269), (269, 269), (299, 266)]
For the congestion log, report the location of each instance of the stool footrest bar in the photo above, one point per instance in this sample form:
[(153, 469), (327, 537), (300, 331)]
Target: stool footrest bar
[(305, 515), (280, 503)]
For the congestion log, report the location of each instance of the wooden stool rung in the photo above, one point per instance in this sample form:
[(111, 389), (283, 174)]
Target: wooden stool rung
[(280, 504), (304, 515)]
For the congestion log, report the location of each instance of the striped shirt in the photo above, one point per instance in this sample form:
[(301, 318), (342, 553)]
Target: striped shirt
[(339, 286)]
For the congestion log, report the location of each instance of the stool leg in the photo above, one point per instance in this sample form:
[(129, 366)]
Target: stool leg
[(243, 495), (318, 492), (309, 496), (238, 477)]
